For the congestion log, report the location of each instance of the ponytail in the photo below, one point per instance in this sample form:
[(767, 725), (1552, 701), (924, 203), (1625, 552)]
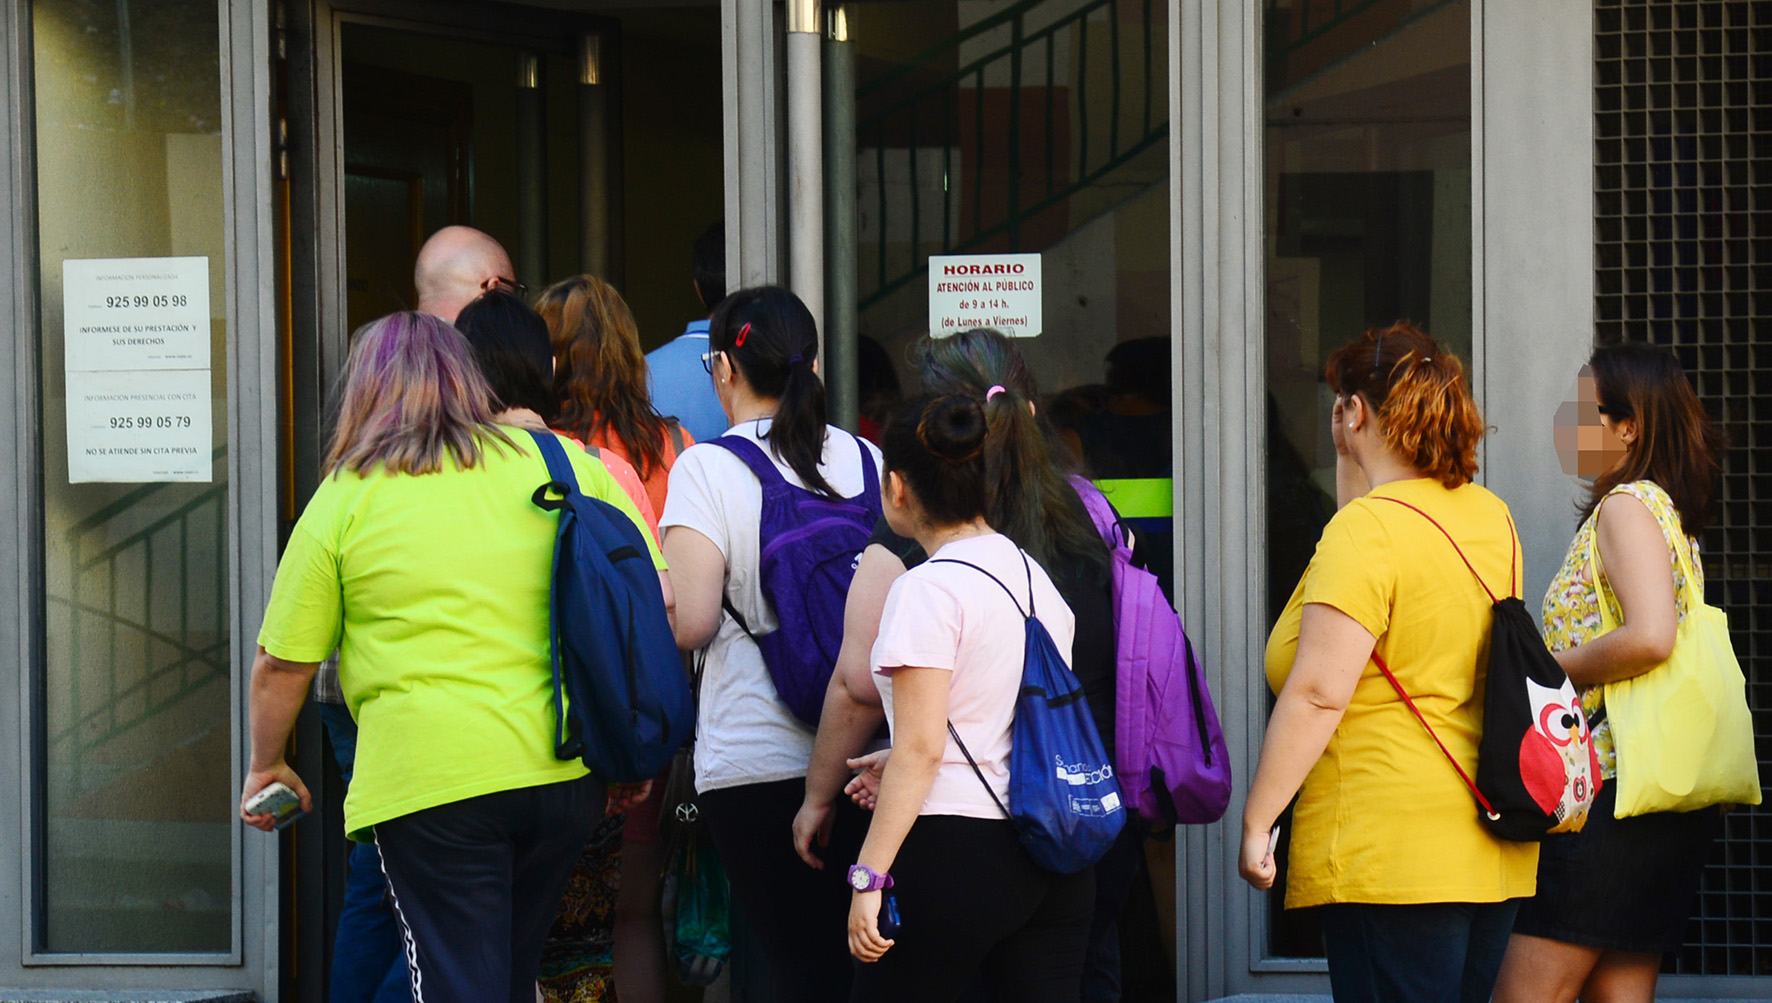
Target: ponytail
[(1030, 499), (1418, 392), (769, 335)]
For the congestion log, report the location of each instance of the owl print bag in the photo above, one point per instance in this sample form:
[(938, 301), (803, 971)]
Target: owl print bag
[(1537, 772)]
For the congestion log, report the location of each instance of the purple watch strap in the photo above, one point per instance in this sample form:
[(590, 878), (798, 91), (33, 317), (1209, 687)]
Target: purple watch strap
[(876, 882)]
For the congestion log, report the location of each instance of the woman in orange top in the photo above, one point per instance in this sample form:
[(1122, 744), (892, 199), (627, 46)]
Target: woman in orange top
[(604, 400), (600, 380)]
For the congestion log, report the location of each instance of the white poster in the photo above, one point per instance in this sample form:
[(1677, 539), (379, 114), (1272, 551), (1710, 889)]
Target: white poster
[(139, 428), (1000, 291), (137, 334)]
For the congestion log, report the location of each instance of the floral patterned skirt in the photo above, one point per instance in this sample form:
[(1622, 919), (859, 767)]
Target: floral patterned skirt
[(577, 964)]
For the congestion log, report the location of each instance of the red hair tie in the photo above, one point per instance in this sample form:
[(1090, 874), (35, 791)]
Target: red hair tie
[(743, 333)]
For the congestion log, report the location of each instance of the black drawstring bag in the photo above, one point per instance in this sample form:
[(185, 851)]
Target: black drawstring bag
[(1537, 772)]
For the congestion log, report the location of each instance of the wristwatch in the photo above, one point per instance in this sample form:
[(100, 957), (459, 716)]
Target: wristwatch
[(863, 879)]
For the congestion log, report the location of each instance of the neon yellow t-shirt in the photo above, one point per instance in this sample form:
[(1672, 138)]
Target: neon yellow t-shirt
[(434, 590), (1383, 818)]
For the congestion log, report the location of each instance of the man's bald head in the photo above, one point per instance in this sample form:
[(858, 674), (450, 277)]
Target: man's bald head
[(457, 264)]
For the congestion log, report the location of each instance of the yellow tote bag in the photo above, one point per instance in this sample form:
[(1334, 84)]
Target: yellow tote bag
[(1682, 730)]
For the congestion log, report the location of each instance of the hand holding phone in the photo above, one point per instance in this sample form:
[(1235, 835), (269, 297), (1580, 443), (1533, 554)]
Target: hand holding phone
[(277, 800), (888, 922), (1255, 862)]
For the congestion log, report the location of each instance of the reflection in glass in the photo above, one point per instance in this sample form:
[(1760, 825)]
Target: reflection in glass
[(1367, 191), (136, 827), (991, 126)]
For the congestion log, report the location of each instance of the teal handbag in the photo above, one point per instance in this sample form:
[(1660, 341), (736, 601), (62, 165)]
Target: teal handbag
[(697, 910), (694, 899)]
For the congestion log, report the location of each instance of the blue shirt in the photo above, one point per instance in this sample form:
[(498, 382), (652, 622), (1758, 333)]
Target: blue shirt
[(681, 386)]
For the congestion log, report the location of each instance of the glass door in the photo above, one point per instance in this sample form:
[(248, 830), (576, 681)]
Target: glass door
[(1366, 178), (580, 141), (133, 763)]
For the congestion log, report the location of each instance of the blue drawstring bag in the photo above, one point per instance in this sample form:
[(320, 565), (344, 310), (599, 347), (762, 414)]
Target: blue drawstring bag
[(1066, 803)]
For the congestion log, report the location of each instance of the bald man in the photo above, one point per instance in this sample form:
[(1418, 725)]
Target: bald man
[(456, 265)]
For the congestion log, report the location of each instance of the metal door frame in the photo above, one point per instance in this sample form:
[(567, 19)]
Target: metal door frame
[(252, 959)]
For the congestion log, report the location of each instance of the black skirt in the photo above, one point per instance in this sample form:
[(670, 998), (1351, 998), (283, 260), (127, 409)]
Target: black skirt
[(1621, 884)]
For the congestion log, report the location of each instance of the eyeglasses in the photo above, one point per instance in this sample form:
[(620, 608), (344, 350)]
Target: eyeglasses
[(1613, 413), (511, 286), (707, 361)]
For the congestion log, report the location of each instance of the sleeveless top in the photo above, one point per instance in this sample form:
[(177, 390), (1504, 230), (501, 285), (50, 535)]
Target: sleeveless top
[(1571, 612)]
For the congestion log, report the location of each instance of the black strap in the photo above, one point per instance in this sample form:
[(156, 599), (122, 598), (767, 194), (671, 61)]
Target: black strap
[(1026, 564), (675, 428), (988, 789), (732, 611)]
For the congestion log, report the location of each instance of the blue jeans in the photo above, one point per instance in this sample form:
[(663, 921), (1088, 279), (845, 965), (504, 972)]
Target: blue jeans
[(1447, 952), (368, 963)]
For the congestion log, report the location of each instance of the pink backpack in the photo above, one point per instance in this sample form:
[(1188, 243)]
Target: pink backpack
[(1168, 748)]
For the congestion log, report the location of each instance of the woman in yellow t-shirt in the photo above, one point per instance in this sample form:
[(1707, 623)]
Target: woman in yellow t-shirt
[(1418, 897)]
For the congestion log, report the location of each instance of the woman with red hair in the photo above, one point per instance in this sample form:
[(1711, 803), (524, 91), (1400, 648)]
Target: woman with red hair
[(1418, 896)]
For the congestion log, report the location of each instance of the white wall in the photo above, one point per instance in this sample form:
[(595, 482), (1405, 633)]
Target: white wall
[(1537, 248)]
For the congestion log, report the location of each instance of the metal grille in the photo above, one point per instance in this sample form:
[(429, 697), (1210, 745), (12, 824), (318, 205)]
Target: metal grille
[(1683, 242)]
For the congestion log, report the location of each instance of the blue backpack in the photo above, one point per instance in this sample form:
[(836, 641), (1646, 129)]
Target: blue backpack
[(1067, 810), (808, 547), (621, 697)]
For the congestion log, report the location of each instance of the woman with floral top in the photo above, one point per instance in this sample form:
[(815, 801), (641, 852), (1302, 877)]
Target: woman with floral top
[(1615, 897)]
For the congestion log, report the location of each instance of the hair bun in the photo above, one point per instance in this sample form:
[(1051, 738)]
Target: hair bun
[(953, 428)]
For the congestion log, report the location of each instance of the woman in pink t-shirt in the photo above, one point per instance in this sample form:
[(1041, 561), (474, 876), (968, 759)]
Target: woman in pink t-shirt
[(950, 653)]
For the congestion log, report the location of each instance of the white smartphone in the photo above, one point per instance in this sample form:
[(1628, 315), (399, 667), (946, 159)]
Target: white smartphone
[(278, 801)]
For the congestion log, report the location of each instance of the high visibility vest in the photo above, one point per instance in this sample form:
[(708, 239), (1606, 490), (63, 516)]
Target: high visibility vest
[(1147, 502)]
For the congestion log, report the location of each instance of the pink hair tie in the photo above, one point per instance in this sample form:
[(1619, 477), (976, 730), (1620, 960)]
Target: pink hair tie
[(993, 391)]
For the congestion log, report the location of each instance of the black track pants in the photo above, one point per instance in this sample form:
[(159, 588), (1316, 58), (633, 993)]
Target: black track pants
[(971, 900), (475, 884), (799, 915)]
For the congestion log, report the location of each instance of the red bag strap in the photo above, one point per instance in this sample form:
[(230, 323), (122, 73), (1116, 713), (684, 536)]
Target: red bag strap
[(1379, 660), (1513, 570)]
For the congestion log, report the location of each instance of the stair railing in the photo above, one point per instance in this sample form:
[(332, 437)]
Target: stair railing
[(176, 660), (1085, 167)]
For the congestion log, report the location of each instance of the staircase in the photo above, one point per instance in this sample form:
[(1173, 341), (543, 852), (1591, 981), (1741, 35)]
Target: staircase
[(147, 659), (1035, 120), (138, 796)]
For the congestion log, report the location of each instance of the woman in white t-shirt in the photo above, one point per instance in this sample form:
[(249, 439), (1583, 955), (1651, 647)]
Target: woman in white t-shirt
[(949, 654), (751, 752)]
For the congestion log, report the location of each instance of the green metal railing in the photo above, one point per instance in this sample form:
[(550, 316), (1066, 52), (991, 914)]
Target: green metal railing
[(126, 667), (931, 115)]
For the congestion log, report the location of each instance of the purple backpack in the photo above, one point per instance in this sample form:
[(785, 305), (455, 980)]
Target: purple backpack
[(1168, 748), (808, 549)]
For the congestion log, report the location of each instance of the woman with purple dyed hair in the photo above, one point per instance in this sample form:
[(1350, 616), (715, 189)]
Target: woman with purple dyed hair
[(422, 560)]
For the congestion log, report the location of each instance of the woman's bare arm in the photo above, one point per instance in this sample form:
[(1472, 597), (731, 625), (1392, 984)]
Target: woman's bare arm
[(278, 689), (1633, 553), (698, 583), (852, 711), (1333, 649)]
